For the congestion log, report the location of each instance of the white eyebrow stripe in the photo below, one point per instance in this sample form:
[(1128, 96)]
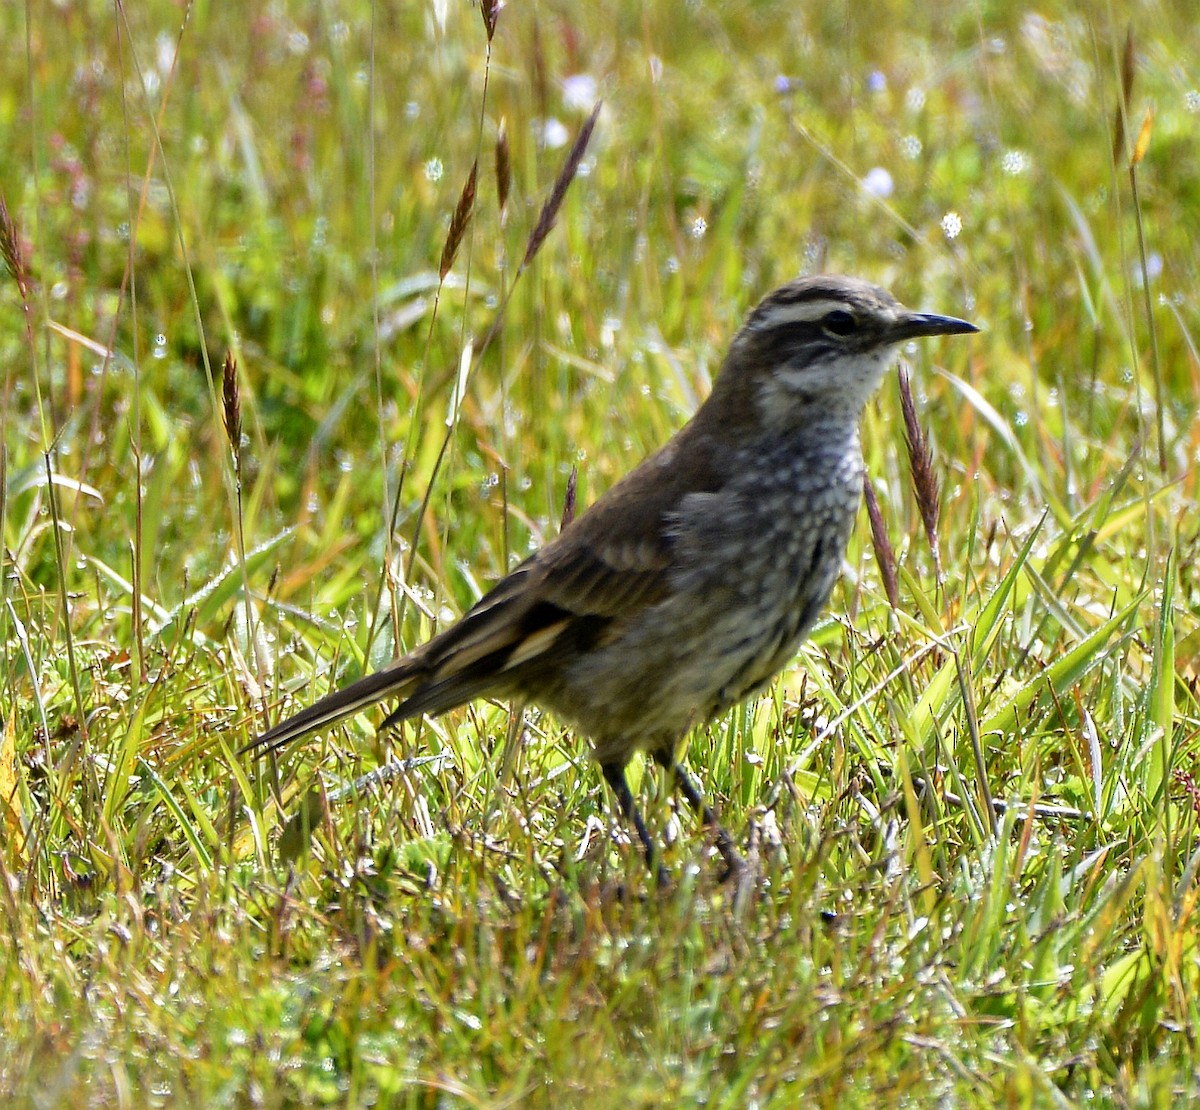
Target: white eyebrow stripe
[(804, 312)]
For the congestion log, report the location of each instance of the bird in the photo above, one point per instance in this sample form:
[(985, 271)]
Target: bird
[(688, 585)]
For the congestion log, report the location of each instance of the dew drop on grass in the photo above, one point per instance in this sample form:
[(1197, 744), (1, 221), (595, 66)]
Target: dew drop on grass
[(579, 91), (554, 134), (1014, 162), (878, 182), (952, 225)]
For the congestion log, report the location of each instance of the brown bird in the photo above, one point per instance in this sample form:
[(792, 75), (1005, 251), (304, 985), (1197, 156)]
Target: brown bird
[(689, 585)]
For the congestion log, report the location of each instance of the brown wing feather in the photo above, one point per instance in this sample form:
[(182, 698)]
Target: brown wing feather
[(605, 568)]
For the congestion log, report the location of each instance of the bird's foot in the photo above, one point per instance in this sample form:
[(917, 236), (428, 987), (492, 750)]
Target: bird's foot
[(742, 875)]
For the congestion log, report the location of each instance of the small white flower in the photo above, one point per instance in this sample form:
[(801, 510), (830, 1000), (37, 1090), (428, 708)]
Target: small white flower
[(554, 134), (579, 92), (1014, 162), (878, 182)]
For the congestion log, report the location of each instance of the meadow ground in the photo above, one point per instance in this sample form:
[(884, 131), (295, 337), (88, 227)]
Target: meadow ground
[(975, 795)]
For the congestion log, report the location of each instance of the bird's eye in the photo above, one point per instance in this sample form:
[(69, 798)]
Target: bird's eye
[(839, 322)]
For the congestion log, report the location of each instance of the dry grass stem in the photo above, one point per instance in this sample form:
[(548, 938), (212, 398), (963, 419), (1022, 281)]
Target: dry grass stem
[(884, 555), (10, 250), (568, 513), (231, 406), (920, 464), (459, 222), (490, 10), (503, 170), (566, 175), (1124, 104)]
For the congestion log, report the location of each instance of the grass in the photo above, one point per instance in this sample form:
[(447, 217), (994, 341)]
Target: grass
[(976, 808)]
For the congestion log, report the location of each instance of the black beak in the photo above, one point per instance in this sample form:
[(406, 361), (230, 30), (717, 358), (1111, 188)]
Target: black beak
[(916, 324)]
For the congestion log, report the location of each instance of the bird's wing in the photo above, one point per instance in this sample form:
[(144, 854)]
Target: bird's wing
[(561, 598), (601, 571), (556, 603)]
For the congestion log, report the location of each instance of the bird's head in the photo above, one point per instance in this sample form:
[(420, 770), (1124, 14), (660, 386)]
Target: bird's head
[(821, 345)]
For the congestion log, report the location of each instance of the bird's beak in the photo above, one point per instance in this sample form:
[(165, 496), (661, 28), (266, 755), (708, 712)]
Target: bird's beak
[(916, 324)]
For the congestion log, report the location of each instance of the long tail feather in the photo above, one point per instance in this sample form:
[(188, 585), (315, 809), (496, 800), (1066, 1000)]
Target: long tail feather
[(335, 707)]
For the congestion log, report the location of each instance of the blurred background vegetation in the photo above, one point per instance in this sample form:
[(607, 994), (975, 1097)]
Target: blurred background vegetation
[(276, 182)]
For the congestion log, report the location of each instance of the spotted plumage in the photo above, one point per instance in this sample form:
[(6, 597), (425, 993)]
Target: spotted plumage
[(689, 584)]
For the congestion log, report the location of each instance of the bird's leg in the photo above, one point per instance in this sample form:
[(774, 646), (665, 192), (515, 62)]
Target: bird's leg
[(614, 775), (734, 864)]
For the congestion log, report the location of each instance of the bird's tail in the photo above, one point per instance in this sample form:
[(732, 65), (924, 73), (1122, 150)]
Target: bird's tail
[(367, 691)]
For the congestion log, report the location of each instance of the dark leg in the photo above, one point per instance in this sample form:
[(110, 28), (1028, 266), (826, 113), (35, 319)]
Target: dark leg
[(734, 863), (614, 775)]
